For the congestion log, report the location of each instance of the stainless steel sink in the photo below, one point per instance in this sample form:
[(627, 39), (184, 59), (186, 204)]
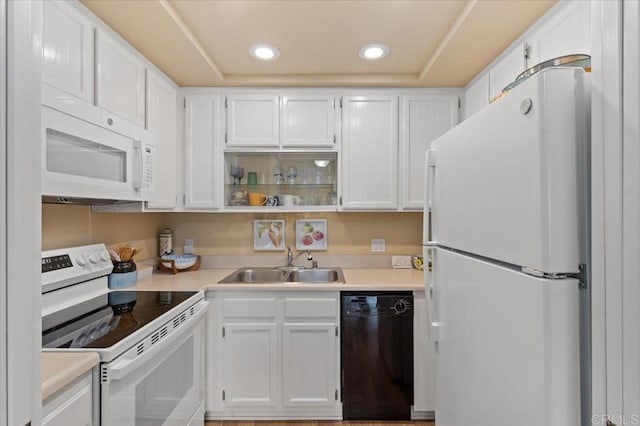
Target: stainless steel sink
[(316, 276), (280, 275)]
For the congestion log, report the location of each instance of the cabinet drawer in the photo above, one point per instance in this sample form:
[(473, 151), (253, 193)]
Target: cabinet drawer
[(310, 308), (249, 308)]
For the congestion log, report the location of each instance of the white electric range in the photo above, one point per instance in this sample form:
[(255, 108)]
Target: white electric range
[(150, 343)]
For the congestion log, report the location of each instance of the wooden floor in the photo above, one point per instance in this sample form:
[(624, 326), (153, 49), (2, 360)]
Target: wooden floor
[(316, 423)]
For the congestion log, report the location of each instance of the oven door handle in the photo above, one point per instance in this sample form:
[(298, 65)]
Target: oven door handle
[(119, 369)]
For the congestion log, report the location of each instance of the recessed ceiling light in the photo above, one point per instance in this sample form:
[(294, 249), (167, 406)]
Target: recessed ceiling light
[(264, 52), (374, 51)]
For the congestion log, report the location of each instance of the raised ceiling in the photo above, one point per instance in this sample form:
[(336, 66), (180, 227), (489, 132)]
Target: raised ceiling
[(435, 43)]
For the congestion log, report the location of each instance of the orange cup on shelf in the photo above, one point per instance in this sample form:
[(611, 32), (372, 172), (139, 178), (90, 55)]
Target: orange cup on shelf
[(257, 199)]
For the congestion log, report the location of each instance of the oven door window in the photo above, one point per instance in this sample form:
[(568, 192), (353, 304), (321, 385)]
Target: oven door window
[(72, 155), (165, 390)]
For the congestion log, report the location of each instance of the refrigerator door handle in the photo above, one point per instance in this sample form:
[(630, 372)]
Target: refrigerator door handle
[(434, 327), (430, 170)]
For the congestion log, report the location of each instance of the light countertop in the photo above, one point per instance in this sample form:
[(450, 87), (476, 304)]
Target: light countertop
[(356, 279), (59, 369)]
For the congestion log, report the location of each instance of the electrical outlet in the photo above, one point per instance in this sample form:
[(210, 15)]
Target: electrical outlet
[(378, 245)]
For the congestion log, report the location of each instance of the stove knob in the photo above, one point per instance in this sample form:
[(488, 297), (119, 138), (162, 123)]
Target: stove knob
[(93, 334), (80, 260), (92, 259), (81, 340), (104, 328), (103, 256)]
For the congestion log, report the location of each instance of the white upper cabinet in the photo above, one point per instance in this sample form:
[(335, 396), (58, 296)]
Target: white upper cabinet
[(120, 80), (67, 50), (566, 32), (506, 71), (424, 118), (308, 120), (476, 96), (370, 152), (202, 130), (253, 120), (161, 122)]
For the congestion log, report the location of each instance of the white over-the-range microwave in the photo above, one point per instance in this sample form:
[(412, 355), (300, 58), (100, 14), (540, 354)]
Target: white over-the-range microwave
[(82, 159)]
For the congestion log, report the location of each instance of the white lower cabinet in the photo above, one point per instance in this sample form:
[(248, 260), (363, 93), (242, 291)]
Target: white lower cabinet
[(71, 406), (309, 354), (250, 364), (273, 355), (424, 359)]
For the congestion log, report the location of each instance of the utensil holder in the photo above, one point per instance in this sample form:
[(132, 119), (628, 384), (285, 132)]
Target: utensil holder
[(124, 275)]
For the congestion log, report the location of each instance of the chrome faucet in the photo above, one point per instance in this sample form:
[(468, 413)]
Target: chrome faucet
[(291, 258)]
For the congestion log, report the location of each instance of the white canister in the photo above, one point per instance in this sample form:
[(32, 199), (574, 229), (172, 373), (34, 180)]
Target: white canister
[(166, 242)]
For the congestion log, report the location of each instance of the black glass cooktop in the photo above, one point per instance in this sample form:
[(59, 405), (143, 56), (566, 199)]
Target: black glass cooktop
[(103, 321)]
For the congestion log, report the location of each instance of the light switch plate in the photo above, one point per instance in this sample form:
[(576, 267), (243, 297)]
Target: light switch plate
[(378, 245)]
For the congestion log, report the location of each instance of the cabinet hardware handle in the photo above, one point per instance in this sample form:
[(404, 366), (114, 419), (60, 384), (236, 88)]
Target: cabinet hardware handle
[(336, 331), (223, 395), (336, 395), (223, 333), (334, 138), (110, 121)]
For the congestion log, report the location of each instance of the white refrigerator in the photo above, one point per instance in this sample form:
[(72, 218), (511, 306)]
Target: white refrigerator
[(506, 231)]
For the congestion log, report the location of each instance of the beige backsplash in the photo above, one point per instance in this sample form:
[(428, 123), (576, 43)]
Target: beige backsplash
[(68, 225), (225, 233)]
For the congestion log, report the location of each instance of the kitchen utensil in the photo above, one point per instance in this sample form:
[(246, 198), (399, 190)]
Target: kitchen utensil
[(125, 253), (278, 175), (115, 257), (292, 173), (234, 171), (257, 199), (272, 200), (252, 178)]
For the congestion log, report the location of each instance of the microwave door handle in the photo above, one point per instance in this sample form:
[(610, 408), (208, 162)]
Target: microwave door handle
[(138, 163), (119, 369)]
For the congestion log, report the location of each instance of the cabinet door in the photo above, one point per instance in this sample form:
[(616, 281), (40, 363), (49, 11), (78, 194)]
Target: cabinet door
[(308, 121), (67, 50), (424, 357), (202, 120), (566, 32), (70, 407), (250, 364), (120, 85), (252, 120), (370, 152), (161, 122), (309, 357), (506, 71), (476, 96), (424, 118)]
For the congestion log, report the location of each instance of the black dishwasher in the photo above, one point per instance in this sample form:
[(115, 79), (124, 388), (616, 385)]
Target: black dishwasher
[(377, 355)]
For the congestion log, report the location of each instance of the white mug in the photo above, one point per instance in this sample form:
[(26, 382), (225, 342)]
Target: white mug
[(289, 200)]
